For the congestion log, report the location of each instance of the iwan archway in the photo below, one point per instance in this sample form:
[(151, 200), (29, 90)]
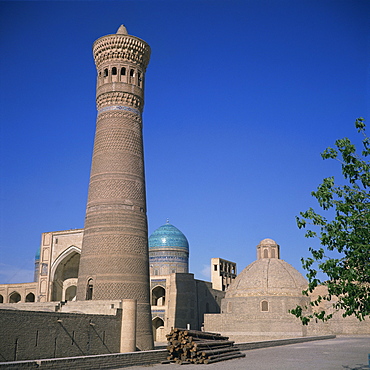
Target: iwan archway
[(64, 274)]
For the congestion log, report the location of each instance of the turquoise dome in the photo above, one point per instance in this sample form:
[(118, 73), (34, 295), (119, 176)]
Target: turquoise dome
[(168, 236), (37, 255)]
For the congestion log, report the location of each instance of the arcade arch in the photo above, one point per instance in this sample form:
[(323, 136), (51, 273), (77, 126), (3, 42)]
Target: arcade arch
[(30, 297), (14, 297), (158, 296)]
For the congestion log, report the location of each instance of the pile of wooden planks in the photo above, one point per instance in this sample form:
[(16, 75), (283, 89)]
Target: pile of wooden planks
[(199, 347)]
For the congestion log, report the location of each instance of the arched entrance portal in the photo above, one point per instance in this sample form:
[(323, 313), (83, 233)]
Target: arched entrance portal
[(65, 274), (158, 330)]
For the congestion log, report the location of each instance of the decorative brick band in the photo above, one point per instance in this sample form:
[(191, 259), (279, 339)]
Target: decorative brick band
[(119, 107)]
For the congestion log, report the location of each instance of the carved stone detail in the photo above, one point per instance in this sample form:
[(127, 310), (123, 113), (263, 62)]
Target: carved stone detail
[(118, 98), (123, 47)]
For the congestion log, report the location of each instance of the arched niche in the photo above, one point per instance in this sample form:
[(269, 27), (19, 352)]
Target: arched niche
[(30, 297), (158, 329), (70, 293), (89, 289), (14, 297), (64, 269), (158, 296), (264, 306)]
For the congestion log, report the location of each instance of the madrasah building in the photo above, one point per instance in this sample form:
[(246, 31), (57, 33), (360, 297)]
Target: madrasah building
[(109, 288)]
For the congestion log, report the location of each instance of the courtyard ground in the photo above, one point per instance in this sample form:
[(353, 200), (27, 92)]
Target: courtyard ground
[(331, 354)]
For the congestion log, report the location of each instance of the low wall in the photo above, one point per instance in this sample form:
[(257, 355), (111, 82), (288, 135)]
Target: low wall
[(121, 360), (280, 342), (110, 361), (27, 335)]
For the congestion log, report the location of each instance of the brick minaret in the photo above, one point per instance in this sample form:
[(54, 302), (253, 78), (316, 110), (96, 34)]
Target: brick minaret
[(114, 259)]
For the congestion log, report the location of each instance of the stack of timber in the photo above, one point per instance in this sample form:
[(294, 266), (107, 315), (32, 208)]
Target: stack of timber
[(199, 347)]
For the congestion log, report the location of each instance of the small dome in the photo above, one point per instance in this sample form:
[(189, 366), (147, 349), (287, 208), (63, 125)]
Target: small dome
[(168, 236), (37, 255), (267, 242), (267, 277)]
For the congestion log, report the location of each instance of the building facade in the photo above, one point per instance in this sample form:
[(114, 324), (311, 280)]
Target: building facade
[(177, 299), (257, 303)]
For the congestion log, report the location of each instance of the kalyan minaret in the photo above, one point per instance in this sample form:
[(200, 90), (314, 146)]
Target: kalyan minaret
[(114, 258)]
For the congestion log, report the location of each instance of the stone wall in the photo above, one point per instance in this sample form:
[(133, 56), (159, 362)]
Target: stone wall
[(29, 335), (340, 326), (248, 328)]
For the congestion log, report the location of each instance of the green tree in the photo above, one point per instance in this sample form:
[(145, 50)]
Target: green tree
[(344, 254)]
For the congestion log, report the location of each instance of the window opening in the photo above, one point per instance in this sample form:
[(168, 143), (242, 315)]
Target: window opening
[(89, 291), (264, 306), (106, 72), (123, 71), (114, 71)]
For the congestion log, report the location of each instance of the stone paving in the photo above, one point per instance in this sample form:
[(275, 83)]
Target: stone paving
[(332, 354)]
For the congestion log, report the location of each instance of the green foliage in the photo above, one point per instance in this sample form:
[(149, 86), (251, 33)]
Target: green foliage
[(347, 234)]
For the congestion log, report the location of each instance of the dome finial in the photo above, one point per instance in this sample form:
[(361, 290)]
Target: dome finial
[(122, 30), (167, 221)]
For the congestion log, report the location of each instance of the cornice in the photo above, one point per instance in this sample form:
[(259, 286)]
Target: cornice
[(123, 47)]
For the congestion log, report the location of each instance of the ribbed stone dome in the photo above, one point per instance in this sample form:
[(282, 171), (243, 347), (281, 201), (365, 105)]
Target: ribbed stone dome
[(168, 236), (267, 277)]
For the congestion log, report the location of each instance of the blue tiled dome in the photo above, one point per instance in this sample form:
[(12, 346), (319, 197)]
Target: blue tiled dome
[(37, 255), (168, 236)]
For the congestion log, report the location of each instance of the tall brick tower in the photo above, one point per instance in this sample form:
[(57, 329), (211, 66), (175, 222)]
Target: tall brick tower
[(114, 259)]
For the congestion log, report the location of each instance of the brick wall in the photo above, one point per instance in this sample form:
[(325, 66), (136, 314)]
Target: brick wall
[(110, 361), (27, 335)]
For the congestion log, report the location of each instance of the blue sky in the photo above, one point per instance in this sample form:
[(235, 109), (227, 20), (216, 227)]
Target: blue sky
[(241, 98)]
